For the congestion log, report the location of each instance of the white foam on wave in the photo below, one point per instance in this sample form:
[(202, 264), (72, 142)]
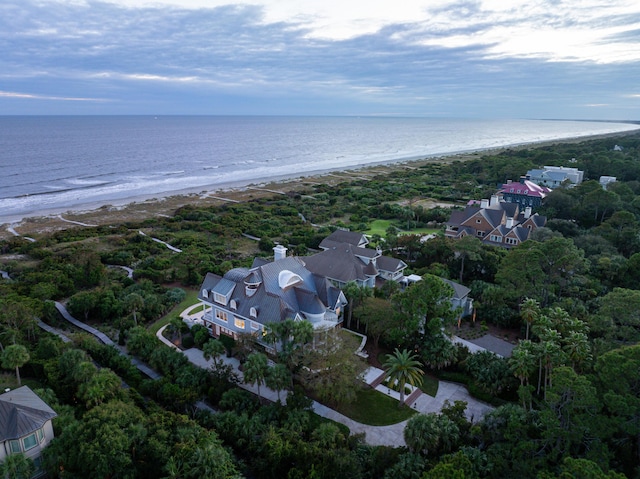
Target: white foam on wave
[(305, 161)]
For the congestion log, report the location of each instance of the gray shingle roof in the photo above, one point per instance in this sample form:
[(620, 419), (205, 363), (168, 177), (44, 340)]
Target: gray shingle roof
[(273, 303), (460, 291), (339, 263), (21, 413), (342, 236)]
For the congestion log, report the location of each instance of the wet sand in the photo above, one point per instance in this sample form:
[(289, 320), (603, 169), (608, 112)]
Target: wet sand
[(140, 208)]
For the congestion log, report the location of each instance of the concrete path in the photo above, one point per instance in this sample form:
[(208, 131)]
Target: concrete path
[(392, 435)]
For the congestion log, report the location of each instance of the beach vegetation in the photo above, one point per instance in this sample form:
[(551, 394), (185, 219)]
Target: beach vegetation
[(566, 399)]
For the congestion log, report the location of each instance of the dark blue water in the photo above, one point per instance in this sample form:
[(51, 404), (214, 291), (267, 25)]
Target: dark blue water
[(64, 162)]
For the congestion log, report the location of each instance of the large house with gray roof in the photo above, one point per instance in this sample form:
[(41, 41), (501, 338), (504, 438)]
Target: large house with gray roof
[(495, 222), (345, 258), (248, 300), (555, 176), (25, 425)]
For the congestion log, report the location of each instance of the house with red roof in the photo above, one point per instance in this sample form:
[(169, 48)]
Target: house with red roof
[(526, 193)]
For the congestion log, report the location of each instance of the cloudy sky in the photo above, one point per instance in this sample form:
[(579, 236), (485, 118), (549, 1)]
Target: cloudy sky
[(577, 59)]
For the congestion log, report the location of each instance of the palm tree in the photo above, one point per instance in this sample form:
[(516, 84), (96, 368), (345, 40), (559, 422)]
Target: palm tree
[(522, 362), (255, 370), (15, 356), (213, 349), (529, 311), (134, 302), (278, 378), (578, 349), (403, 368)]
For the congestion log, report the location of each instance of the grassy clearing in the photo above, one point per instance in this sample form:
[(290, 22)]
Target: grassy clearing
[(189, 300), (380, 227), (375, 409)]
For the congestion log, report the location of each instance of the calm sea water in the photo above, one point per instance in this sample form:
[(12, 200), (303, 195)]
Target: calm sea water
[(64, 162)]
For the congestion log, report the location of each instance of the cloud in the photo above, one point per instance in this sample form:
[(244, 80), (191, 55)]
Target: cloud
[(11, 94), (470, 57)]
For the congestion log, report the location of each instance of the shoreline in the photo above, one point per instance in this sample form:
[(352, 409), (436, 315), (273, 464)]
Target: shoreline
[(165, 204)]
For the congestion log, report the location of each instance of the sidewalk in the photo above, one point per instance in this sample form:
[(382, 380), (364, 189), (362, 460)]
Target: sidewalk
[(392, 435)]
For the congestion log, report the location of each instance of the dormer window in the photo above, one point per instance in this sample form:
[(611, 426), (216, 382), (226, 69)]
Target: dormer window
[(220, 298), (233, 304), (253, 312)]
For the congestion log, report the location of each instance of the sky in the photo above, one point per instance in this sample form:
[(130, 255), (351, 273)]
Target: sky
[(573, 59)]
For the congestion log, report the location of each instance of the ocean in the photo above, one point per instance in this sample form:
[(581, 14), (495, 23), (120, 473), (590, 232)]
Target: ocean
[(59, 163)]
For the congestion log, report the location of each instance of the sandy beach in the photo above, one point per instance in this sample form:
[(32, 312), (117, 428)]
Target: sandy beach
[(139, 208)]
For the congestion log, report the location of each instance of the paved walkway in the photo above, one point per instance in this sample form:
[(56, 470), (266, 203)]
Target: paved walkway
[(392, 435)]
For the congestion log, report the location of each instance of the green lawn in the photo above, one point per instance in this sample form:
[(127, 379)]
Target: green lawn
[(429, 385), (375, 409), (380, 227), (189, 300)]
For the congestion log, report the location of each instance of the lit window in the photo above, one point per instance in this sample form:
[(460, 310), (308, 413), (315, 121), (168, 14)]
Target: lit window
[(219, 298), (221, 315), (239, 323), (30, 442)]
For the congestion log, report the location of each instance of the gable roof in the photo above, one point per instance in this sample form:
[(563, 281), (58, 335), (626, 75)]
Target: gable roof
[(21, 413), (344, 236), (519, 188), (341, 263), (388, 263), (459, 291)]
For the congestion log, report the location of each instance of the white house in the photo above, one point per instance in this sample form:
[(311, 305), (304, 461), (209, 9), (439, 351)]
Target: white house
[(554, 176)]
